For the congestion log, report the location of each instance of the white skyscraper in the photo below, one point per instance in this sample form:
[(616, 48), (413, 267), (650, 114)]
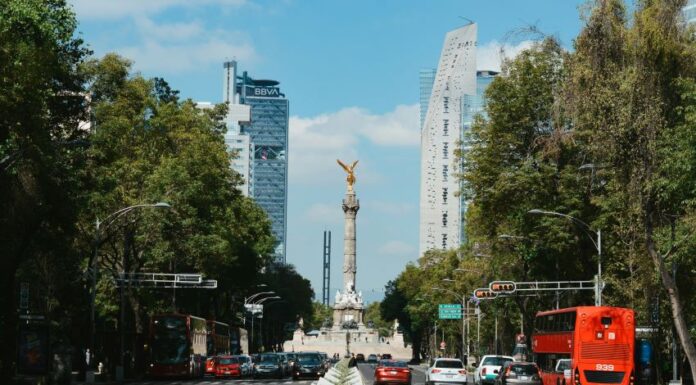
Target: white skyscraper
[(440, 208)]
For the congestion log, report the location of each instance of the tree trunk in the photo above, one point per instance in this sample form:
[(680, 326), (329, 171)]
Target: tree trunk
[(8, 320), (673, 295)]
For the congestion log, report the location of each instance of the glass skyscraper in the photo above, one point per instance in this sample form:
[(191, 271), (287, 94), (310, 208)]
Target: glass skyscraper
[(690, 11), (257, 131), (440, 207)]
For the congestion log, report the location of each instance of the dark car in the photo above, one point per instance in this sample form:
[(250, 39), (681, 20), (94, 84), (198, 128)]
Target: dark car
[(360, 357), (268, 365), (518, 373), (386, 356), (308, 365)]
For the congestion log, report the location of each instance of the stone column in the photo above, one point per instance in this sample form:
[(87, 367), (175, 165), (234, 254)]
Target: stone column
[(350, 208)]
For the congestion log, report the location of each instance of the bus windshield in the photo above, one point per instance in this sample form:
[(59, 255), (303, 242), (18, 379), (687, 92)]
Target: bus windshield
[(169, 342)]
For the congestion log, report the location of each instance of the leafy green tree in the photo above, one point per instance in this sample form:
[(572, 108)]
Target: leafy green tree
[(147, 146), (322, 316), (632, 88), (373, 314), (41, 106)]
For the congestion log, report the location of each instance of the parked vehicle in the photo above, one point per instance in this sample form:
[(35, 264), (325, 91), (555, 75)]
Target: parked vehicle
[(360, 357), (393, 372), (227, 366), (372, 359), (308, 365), (446, 370), (488, 369), (285, 363), (386, 356), (518, 373), (268, 365)]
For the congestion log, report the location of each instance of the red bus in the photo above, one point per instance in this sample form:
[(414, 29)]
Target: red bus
[(177, 345), (594, 344), (218, 338)]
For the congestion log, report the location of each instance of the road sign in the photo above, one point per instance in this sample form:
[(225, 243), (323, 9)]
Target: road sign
[(443, 345), (450, 311)]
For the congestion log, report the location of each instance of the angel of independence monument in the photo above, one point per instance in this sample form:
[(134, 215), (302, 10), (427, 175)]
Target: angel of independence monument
[(347, 330), (348, 305)]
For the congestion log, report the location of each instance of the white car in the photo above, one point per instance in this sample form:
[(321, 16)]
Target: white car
[(488, 369), (446, 371)]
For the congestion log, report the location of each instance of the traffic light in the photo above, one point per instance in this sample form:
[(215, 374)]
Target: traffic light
[(502, 287), (484, 293)]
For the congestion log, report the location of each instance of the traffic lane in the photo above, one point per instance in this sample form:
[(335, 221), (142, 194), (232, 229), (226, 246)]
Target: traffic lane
[(222, 381), (419, 375), (368, 373)]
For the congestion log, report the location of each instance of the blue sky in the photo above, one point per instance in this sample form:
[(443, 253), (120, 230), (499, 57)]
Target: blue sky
[(350, 71)]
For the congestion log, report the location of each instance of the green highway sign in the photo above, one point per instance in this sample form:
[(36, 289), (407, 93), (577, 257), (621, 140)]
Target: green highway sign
[(450, 311)]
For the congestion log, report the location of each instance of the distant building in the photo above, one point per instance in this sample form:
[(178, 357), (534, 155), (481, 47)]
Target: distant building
[(690, 11), (257, 132), (441, 129)]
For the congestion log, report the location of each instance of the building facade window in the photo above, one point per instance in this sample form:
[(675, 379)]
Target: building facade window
[(445, 127), (445, 104), (445, 150)]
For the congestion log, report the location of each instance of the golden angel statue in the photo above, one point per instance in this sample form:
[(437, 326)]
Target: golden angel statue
[(351, 174)]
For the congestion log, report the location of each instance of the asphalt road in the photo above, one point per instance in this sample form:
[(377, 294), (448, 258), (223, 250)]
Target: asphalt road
[(418, 374), (214, 381)]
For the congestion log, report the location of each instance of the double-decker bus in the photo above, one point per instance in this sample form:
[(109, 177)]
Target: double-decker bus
[(177, 345), (585, 345), (218, 338)]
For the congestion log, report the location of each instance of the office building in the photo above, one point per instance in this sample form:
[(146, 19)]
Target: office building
[(441, 129), (690, 11), (257, 132)]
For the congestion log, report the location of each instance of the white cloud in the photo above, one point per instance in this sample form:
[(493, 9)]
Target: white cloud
[(318, 141), (115, 9), (490, 57), (397, 248), (173, 57), (324, 213)]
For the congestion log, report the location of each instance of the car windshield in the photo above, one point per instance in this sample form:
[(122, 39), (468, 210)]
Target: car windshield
[(394, 364), (452, 364), (309, 359), (269, 358), (562, 365), (524, 369), (227, 361), (495, 361)]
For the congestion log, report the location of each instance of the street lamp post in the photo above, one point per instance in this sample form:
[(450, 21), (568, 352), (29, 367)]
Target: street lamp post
[(247, 302), (465, 321), (260, 302), (102, 225), (597, 244)]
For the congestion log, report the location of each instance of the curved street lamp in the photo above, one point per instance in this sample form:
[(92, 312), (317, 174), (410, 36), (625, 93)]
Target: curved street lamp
[(465, 317), (102, 225), (597, 244)]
